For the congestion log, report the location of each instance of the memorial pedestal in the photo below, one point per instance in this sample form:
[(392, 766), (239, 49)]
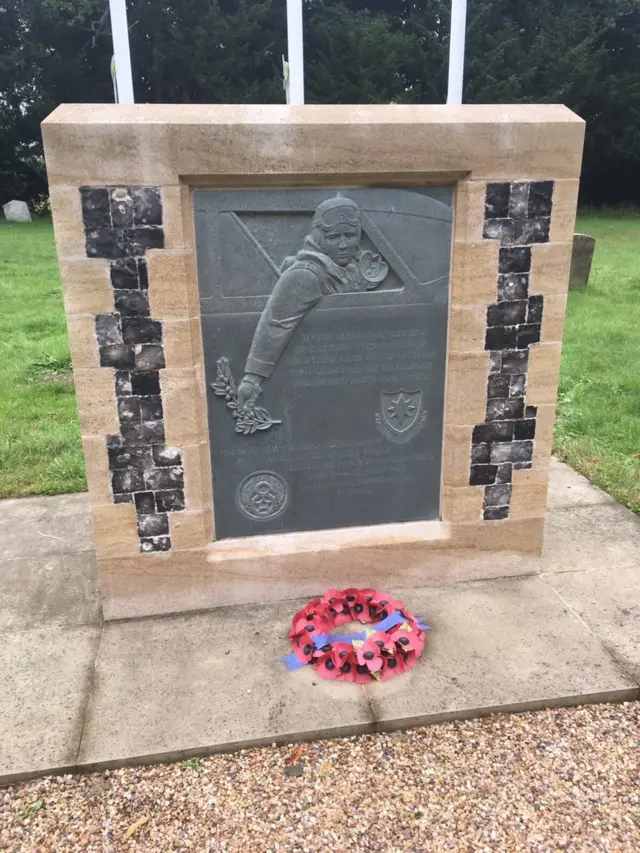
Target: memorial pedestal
[(310, 344)]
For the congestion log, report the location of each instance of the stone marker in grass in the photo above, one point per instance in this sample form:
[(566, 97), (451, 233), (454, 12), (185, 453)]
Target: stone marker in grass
[(16, 211), (581, 258)]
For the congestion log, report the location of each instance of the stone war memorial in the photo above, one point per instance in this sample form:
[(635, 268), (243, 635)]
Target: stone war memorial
[(314, 346)]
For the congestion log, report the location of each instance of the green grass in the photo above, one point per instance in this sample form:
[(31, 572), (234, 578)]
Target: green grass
[(40, 449), (598, 428)]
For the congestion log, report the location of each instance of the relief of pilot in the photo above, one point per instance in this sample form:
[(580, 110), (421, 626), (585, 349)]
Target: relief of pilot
[(329, 262)]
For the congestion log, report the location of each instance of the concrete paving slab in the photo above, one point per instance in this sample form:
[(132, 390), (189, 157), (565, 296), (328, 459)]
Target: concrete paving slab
[(583, 538), (55, 589), (46, 676), (178, 686), (508, 645), (568, 488), (609, 602), (60, 524)]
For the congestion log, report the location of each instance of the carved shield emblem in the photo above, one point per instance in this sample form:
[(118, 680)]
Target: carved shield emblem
[(401, 416)]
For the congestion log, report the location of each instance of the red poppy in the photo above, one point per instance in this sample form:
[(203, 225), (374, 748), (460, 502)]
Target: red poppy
[(357, 602), (338, 608), (411, 641), (383, 603), (393, 665), (369, 654)]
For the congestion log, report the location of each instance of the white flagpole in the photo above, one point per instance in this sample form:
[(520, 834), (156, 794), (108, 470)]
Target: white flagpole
[(294, 50), (456, 51), (121, 54)]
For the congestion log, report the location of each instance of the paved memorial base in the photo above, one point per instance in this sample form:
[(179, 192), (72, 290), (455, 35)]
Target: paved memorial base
[(78, 693)]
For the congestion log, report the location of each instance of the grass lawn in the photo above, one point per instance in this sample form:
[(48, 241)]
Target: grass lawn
[(598, 429), (40, 450)]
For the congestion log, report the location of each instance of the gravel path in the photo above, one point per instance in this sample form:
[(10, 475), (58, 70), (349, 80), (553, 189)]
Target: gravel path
[(564, 780)]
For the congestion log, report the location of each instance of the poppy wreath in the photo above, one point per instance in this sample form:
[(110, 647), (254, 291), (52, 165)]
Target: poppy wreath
[(390, 645)]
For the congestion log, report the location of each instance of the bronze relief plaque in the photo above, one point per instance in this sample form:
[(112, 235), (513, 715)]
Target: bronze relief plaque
[(324, 318)]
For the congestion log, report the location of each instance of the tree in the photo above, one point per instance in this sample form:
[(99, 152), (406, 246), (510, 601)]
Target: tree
[(584, 53)]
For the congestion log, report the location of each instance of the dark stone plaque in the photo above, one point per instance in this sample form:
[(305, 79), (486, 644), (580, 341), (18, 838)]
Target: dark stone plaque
[(324, 318)]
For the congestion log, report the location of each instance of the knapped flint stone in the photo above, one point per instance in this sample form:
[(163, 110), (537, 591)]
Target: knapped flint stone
[(511, 451), (528, 334), (128, 409), (147, 206), (108, 331), (171, 500), (532, 231), (141, 330), (502, 410), (123, 383), (530, 411), (513, 286), (164, 478), (494, 431), (480, 454), (124, 274), (540, 198), (517, 385), (519, 202), (495, 362), (497, 386), (122, 458), (522, 466), (499, 495), (495, 513), (149, 357), (145, 383), (121, 205), (128, 480), (483, 475), (147, 432), (496, 203), (95, 208), (114, 442), (166, 455), (581, 260), (514, 259), (515, 361), (156, 543), (121, 357), (146, 503), (151, 408), (507, 313), (123, 498), (138, 240), (153, 525), (501, 337), (143, 273), (505, 473), (500, 229), (131, 303), (105, 243), (534, 313), (525, 429)]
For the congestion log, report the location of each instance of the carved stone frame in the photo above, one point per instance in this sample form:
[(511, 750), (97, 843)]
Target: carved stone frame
[(497, 157)]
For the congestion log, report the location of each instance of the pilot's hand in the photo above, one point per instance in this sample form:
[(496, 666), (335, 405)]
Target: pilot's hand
[(248, 392)]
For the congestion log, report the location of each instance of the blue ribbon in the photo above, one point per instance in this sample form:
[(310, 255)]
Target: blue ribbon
[(321, 640)]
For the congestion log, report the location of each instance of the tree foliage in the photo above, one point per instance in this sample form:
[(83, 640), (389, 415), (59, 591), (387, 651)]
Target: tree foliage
[(584, 53)]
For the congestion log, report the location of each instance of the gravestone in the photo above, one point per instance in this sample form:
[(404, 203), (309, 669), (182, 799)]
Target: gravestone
[(324, 323), (16, 211), (581, 259)]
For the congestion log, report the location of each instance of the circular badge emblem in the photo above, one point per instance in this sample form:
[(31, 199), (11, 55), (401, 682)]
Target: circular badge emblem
[(262, 496)]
